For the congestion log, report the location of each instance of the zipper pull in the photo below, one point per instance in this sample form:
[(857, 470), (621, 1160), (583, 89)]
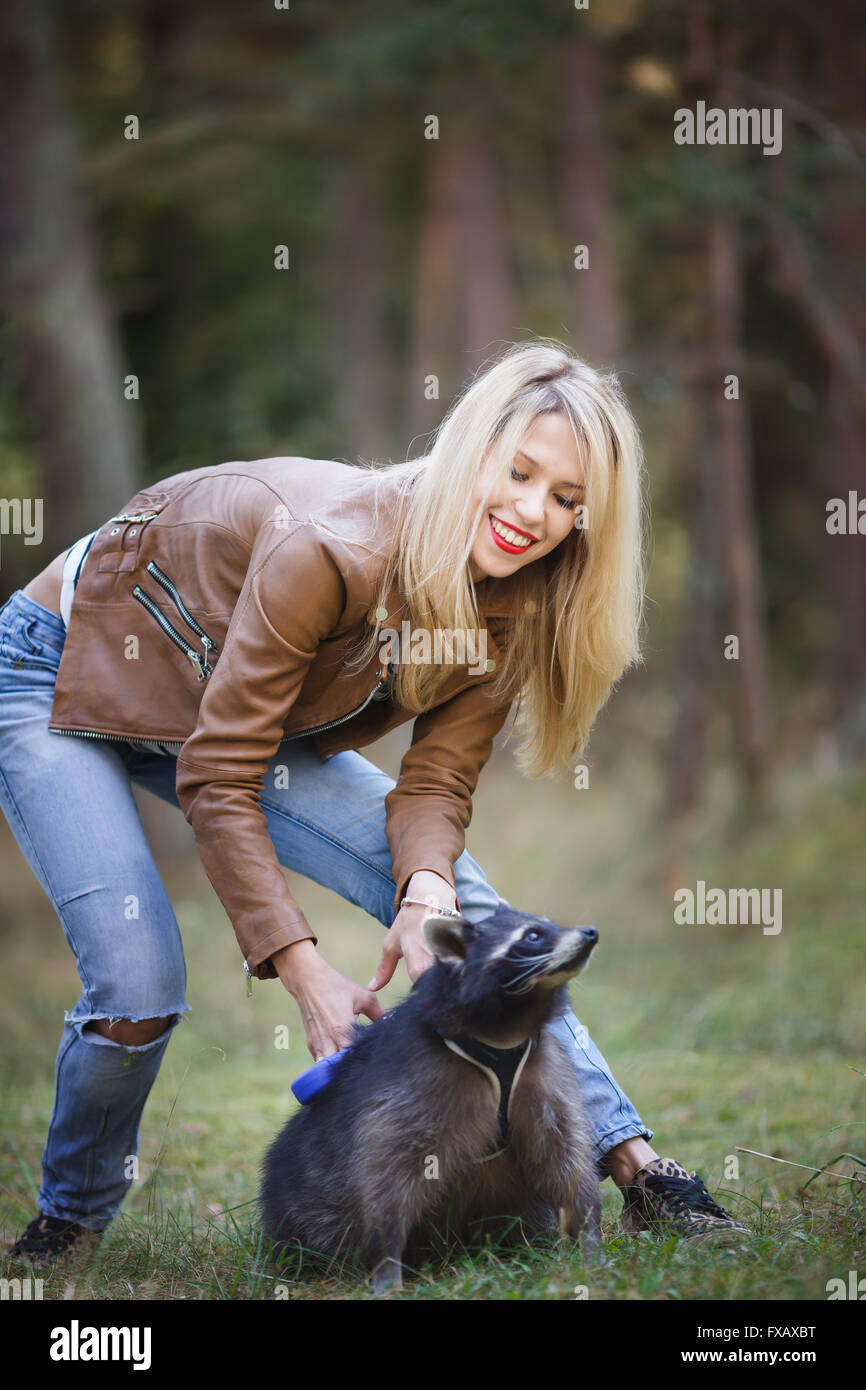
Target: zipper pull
[(249, 979), (201, 669)]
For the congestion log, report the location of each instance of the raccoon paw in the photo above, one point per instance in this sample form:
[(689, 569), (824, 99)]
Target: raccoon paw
[(387, 1276)]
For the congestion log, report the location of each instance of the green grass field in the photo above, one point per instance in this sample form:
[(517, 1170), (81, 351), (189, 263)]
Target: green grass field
[(722, 1036)]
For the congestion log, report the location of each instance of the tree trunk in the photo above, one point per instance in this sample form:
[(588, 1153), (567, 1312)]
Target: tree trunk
[(360, 286), (725, 581), (486, 287), (834, 318), (465, 295), (586, 202), (67, 361), (699, 649), (436, 288), (737, 510)]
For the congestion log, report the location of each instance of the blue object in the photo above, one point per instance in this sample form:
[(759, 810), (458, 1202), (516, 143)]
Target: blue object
[(316, 1077)]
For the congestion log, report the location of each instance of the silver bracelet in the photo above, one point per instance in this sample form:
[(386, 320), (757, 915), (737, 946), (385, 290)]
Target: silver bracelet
[(433, 907)]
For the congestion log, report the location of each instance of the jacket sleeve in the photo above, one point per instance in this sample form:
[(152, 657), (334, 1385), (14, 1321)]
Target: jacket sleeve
[(429, 809), (270, 644)]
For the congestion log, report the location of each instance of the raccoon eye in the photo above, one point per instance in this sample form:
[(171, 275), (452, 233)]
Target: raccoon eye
[(532, 935)]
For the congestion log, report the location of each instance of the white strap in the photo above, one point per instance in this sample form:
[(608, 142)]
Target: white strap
[(488, 1071), (71, 570)]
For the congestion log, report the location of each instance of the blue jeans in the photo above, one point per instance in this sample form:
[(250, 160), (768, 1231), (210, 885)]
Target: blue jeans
[(69, 803)]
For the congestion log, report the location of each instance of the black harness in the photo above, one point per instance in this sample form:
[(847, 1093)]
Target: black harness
[(502, 1066)]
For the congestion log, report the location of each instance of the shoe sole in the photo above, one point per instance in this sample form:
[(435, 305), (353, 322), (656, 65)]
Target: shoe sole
[(81, 1243), (712, 1234)]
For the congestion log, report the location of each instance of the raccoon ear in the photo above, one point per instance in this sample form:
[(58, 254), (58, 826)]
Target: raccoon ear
[(446, 937)]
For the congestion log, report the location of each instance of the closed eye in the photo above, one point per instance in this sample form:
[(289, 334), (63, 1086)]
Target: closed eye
[(568, 503)]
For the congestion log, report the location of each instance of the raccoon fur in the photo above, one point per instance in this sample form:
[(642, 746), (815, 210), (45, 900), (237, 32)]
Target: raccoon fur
[(457, 1115)]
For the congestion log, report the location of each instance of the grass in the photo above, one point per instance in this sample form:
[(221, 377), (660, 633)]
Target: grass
[(723, 1037)]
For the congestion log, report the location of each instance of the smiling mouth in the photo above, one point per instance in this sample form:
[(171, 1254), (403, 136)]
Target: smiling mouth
[(508, 538)]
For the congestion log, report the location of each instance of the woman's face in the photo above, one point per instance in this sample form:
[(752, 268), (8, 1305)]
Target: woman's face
[(536, 508)]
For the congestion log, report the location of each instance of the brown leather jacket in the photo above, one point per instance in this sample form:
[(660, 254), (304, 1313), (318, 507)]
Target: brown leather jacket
[(243, 611)]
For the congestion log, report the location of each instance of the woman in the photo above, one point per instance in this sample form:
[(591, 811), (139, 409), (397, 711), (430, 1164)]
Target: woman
[(231, 645)]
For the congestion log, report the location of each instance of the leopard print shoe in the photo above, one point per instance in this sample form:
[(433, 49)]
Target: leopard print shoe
[(663, 1197), (47, 1237)]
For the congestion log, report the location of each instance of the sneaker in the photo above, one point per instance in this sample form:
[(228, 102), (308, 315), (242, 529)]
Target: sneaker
[(663, 1197), (46, 1237)]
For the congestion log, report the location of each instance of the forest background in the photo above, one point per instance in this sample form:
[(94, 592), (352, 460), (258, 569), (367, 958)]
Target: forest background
[(153, 158)]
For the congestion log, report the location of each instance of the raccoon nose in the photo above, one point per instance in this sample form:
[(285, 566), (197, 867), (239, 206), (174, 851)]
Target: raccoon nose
[(590, 935)]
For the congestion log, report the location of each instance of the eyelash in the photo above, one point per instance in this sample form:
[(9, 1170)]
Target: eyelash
[(522, 477)]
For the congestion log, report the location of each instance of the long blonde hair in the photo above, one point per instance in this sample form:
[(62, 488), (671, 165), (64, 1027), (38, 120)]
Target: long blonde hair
[(575, 628)]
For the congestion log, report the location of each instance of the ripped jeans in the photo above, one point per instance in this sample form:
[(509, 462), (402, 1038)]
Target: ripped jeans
[(69, 803)]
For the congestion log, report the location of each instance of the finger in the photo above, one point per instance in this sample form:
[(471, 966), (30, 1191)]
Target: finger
[(369, 1005), (388, 964), (417, 961), (323, 1040)]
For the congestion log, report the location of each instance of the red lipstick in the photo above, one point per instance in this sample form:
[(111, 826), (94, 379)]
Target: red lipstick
[(507, 545)]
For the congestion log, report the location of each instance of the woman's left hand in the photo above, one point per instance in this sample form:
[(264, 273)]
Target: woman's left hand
[(405, 937)]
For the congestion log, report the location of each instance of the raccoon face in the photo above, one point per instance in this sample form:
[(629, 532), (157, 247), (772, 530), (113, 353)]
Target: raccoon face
[(511, 952)]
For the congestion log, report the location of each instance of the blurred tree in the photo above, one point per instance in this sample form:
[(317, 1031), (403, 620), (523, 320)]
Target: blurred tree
[(817, 281), (67, 362), (585, 197), (486, 285), (413, 257), (725, 573), (361, 351), (434, 282)]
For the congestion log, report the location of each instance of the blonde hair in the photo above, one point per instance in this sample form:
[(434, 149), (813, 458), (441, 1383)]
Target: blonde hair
[(578, 609)]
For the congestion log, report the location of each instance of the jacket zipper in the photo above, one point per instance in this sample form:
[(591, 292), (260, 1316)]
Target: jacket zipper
[(341, 719), (125, 738), (200, 666), (171, 589), (170, 742)]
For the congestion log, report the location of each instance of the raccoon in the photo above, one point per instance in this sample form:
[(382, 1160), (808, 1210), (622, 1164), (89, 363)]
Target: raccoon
[(457, 1115)]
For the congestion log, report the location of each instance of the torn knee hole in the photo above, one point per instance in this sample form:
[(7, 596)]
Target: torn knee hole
[(132, 1032)]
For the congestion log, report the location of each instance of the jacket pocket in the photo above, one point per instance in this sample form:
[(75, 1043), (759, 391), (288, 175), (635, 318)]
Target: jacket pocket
[(21, 650), (200, 661)]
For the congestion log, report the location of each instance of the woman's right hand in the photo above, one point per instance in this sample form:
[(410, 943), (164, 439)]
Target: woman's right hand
[(329, 1003)]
